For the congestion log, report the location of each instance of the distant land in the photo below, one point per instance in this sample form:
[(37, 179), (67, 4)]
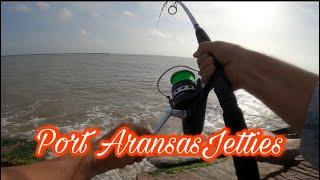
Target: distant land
[(35, 54), (39, 54)]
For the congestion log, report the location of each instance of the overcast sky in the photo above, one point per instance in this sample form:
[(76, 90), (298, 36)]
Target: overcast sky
[(287, 30)]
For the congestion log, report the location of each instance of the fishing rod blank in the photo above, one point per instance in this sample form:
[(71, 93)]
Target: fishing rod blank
[(246, 167)]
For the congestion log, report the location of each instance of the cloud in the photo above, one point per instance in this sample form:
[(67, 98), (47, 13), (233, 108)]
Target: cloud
[(181, 39), (65, 15), (83, 32), (94, 14), (43, 5), (23, 8), (142, 4), (128, 13), (158, 33)]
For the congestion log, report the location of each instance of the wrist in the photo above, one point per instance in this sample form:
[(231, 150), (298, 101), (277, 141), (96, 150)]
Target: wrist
[(240, 67), (84, 168), (249, 70)]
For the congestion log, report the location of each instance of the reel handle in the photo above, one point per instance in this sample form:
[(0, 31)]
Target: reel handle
[(246, 167)]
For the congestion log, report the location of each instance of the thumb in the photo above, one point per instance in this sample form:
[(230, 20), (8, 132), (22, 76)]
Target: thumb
[(204, 47)]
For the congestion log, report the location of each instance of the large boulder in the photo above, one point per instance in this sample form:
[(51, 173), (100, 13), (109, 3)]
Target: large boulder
[(220, 169), (287, 159), (289, 165)]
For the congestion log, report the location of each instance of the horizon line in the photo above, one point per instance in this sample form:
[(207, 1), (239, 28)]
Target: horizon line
[(57, 53)]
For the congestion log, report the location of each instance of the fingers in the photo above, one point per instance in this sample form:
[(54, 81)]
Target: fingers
[(206, 66), (204, 61), (137, 129), (112, 162), (207, 73), (230, 56), (205, 47)]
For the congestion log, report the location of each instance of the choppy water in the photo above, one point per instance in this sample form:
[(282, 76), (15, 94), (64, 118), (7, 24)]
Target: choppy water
[(75, 91)]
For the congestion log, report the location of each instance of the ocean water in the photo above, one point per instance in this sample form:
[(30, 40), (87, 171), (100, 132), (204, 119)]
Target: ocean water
[(75, 91)]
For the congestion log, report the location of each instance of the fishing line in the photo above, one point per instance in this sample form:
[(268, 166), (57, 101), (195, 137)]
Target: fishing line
[(173, 7), (172, 10)]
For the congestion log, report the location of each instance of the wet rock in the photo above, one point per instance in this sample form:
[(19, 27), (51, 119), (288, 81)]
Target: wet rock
[(224, 169), (201, 171), (288, 157), (290, 165), (302, 170), (265, 169), (288, 131), (215, 170)]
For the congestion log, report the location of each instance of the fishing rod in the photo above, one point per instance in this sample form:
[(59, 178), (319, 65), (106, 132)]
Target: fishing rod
[(190, 98)]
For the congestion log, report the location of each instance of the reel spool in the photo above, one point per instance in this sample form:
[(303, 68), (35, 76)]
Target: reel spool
[(184, 89)]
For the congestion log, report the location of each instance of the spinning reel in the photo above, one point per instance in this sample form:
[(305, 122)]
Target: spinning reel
[(188, 100)]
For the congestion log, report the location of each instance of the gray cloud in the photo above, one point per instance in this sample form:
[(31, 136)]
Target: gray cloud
[(65, 15), (83, 32), (128, 13), (22, 8), (157, 33), (43, 5)]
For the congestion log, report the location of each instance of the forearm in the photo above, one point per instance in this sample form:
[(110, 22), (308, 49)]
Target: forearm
[(80, 168), (284, 88), (59, 168)]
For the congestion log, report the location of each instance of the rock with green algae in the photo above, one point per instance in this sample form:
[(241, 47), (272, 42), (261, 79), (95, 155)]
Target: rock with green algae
[(18, 151), (222, 167), (168, 162)]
